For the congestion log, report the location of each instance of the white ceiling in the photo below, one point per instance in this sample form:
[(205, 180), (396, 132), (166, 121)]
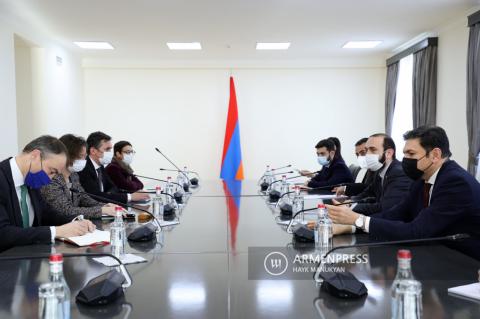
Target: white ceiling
[(229, 29)]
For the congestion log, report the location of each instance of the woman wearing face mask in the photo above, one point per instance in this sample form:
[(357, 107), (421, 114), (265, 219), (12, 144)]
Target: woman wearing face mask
[(120, 171), (58, 195)]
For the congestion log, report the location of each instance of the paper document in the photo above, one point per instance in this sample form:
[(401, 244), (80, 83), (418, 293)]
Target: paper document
[(97, 236), (126, 259), (471, 291)]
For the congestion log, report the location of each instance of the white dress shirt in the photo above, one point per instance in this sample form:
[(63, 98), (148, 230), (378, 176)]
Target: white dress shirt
[(18, 181)]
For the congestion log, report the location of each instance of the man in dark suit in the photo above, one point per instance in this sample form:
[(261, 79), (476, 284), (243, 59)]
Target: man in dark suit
[(362, 176), (94, 178), (334, 170), (23, 213), (389, 184), (443, 199)]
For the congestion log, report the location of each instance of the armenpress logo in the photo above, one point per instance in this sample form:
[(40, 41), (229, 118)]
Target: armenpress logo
[(275, 263)]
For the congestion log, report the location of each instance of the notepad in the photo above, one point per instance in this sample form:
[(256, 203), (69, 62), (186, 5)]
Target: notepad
[(97, 236), (471, 291), (126, 259)]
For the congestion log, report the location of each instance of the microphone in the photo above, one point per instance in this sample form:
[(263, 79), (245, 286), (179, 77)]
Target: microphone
[(177, 195), (346, 285), (264, 185), (100, 290), (179, 170), (143, 233), (274, 195), (286, 166), (193, 181)]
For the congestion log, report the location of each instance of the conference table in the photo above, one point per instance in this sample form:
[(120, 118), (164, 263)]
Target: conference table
[(212, 265)]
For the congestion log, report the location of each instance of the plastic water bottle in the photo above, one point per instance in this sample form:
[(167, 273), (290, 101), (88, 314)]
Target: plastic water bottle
[(298, 205), (406, 291), (323, 230), (117, 234), (169, 189), (158, 203), (51, 297), (284, 185), (269, 174), (56, 276)]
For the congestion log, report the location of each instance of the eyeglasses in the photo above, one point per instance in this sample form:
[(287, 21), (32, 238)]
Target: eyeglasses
[(130, 152)]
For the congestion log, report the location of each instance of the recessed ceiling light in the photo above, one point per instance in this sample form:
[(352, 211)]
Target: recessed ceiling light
[(184, 45), (273, 46), (361, 44), (95, 45)]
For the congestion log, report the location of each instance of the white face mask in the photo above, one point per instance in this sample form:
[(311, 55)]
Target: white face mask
[(107, 158), (322, 160), (373, 162), (78, 166), (128, 158), (362, 161)]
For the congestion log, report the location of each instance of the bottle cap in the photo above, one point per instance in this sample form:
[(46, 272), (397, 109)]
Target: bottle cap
[(284, 176), (118, 208), (404, 254), (56, 258), (158, 188), (321, 205)]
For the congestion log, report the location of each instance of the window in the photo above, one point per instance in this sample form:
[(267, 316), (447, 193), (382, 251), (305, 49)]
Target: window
[(402, 115)]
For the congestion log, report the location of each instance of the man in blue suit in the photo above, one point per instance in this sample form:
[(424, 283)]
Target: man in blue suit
[(444, 199)]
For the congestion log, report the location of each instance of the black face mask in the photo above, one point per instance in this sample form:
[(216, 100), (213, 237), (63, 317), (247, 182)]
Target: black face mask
[(410, 168)]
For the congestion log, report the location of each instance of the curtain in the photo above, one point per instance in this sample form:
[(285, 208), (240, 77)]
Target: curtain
[(390, 95), (424, 93), (473, 96)]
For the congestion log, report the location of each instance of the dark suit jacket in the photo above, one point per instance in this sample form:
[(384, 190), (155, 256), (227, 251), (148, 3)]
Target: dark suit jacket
[(394, 188), (12, 232), (89, 181), (354, 189), (336, 173), (123, 179), (454, 208)]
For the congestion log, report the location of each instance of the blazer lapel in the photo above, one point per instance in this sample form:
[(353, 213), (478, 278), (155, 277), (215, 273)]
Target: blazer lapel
[(16, 216)]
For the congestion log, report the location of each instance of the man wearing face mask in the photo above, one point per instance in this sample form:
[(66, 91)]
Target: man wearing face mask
[(334, 171), (95, 179), (120, 170), (58, 194), (389, 183), (22, 210), (361, 174), (443, 199)]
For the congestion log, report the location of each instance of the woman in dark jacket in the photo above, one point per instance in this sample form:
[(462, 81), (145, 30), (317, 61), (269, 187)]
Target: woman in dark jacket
[(119, 169)]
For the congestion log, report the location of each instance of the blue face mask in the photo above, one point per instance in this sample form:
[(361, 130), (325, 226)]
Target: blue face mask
[(322, 160), (37, 180)]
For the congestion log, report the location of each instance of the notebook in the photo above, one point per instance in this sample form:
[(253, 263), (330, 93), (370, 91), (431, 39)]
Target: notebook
[(97, 236)]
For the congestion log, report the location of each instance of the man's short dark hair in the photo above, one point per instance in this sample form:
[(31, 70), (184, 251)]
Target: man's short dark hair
[(388, 143), (74, 145), (361, 141), (119, 146), (47, 145), (430, 137), (327, 143), (95, 139)]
